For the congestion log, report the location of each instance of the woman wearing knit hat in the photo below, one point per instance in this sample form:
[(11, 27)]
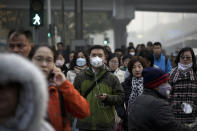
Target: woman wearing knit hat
[(150, 111)]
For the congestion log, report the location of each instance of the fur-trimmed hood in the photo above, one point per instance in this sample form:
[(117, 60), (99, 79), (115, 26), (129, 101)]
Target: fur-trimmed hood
[(33, 97)]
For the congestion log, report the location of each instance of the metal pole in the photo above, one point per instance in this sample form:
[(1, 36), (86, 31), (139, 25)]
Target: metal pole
[(63, 23), (79, 19), (49, 19), (183, 37), (35, 34)]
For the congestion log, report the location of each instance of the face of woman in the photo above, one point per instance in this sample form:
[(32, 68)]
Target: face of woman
[(71, 56), (186, 58), (44, 58), (113, 64), (60, 57), (137, 69)]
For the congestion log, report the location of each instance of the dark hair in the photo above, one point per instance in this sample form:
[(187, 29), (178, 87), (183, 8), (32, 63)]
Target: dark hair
[(108, 51), (133, 60), (57, 53), (126, 57), (16, 84), (118, 50), (147, 55), (60, 43), (72, 52), (157, 43), (17, 32), (137, 51), (138, 46), (131, 47), (131, 44), (97, 47), (73, 63), (35, 48), (111, 56), (177, 60), (143, 46), (149, 43), (107, 48)]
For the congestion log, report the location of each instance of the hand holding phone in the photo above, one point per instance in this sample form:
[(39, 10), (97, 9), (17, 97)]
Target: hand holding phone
[(57, 77), (102, 96)]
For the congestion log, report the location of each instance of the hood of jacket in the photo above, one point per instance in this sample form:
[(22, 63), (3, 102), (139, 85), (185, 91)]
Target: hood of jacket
[(33, 95)]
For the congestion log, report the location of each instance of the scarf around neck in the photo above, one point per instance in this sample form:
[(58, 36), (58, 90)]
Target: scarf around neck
[(184, 67), (137, 90)]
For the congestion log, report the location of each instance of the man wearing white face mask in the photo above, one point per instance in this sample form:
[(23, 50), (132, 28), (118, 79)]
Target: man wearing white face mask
[(150, 111), (183, 79), (103, 91)]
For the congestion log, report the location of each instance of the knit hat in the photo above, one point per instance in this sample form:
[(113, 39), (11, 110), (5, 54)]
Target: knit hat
[(154, 77)]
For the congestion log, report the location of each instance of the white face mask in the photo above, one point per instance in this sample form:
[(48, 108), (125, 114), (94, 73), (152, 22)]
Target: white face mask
[(96, 61), (164, 90), (184, 67), (81, 61), (132, 53), (59, 63)]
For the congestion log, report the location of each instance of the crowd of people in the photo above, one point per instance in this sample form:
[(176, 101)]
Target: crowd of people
[(98, 89)]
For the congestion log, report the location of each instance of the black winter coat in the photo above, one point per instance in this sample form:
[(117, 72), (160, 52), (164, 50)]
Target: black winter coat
[(120, 109), (127, 89), (151, 112)]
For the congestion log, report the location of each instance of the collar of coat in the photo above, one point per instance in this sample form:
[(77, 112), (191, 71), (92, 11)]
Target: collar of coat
[(177, 75), (102, 70), (153, 92)]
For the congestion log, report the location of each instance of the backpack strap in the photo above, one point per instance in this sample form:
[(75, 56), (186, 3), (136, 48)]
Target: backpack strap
[(166, 60), (62, 107), (94, 84)]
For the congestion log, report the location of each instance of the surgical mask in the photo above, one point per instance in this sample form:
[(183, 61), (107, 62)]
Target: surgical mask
[(59, 63), (164, 90), (132, 53), (81, 61), (184, 67), (96, 61)]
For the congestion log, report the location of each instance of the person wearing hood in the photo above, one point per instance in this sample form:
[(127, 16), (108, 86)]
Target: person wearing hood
[(63, 97), (183, 79), (151, 111), (23, 95), (102, 90)]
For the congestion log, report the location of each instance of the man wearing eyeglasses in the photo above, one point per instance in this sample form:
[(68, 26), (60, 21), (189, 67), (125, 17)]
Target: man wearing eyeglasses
[(160, 59), (20, 42)]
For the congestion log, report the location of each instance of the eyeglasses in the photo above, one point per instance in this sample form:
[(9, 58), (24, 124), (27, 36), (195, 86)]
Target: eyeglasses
[(49, 61), (186, 57)]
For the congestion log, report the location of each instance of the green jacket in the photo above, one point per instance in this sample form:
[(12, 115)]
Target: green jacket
[(102, 115)]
